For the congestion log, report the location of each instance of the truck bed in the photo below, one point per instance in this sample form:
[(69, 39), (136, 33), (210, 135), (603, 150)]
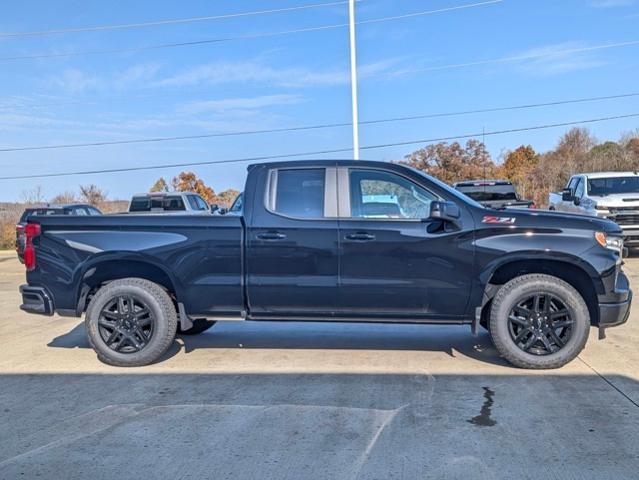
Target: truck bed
[(201, 256)]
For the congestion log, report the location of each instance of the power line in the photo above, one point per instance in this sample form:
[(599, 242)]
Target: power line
[(321, 152), (246, 37), (320, 126), (532, 56), (502, 132), (175, 21)]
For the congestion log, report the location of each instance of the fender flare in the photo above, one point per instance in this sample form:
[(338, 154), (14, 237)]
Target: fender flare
[(88, 268)]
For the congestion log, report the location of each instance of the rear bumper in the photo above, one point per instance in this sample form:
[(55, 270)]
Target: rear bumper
[(36, 300)]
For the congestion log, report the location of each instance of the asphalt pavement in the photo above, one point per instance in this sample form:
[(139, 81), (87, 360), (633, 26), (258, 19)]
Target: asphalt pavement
[(250, 400)]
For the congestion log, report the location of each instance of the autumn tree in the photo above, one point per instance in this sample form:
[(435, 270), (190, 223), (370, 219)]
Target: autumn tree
[(454, 162), (518, 167), (160, 185), (189, 182), (92, 194), (226, 198), (554, 168)]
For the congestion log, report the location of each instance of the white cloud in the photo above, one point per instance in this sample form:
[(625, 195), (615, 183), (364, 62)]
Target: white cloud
[(73, 80), (250, 72), (235, 104), (557, 59), (254, 71)]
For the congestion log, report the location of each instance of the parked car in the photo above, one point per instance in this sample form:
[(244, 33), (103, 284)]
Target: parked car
[(174, 203), (315, 242), (76, 209), (493, 193), (611, 195)]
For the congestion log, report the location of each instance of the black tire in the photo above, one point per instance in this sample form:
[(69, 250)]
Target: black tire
[(557, 338), (199, 325), (137, 331)]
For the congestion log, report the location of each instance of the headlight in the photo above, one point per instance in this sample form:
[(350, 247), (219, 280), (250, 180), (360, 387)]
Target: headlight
[(610, 242), (601, 208)]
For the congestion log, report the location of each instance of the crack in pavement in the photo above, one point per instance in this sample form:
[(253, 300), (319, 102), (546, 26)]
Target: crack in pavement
[(615, 387)]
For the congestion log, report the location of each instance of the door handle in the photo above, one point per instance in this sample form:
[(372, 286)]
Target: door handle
[(360, 237), (271, 236)]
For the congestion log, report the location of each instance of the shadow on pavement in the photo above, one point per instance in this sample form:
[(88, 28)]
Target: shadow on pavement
[(448, 339), (311, 426)]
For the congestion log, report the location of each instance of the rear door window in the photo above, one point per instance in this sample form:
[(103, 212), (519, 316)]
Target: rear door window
[(171, 203), (300, 192)]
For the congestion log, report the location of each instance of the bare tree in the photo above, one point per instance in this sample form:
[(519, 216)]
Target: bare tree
[(65, 197), (92, 194), (33, 196)]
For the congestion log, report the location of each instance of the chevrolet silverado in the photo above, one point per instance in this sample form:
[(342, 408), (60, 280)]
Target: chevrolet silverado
[(333, 241)]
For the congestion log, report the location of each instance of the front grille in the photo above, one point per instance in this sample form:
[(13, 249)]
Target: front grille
[(626, 219), (623, 210)]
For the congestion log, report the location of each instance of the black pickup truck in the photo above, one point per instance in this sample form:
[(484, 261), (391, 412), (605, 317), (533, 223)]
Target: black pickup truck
[(499, 194), (347, 241)]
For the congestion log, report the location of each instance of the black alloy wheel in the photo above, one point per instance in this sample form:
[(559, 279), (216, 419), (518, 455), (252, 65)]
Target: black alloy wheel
[(540, 324), (126, 324)]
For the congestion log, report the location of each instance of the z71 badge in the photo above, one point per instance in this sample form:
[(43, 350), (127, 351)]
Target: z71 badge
[(499, 220)]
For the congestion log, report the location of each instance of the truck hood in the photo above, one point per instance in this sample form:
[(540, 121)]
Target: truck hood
[(617, 200), (541, 219)]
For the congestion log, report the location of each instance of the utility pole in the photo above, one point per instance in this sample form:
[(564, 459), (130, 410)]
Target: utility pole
[(351, 15)]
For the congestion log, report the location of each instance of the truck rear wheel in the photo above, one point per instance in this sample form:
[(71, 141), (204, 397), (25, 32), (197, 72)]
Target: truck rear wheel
[(130, 322), (539, 322)]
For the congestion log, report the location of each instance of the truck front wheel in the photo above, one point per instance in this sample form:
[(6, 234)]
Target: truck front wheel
[(130, 322), (539, 322)]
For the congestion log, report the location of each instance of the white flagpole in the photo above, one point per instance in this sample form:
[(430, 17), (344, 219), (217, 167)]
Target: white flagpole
[(351, 14)]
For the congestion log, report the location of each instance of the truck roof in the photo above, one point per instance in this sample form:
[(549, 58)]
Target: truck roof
[(319, 163), (608, 174)]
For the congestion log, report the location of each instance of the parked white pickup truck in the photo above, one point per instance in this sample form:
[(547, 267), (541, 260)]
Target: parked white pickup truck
[(612, 195)]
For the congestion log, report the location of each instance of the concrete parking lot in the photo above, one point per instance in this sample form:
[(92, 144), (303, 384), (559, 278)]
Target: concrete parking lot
[(311, 401)]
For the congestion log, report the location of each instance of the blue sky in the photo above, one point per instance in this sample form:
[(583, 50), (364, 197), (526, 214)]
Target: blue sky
[(298, 79)]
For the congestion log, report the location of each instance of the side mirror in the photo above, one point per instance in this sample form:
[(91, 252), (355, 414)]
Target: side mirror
[(214, 207), (566, 195), (448, 211)]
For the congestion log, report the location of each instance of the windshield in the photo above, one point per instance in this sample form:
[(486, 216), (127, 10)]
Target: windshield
[(489, 193), (237, 204), (600, 187)]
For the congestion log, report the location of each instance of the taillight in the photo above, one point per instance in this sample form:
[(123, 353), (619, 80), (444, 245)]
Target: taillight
[(532, 205), (31, 231)]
